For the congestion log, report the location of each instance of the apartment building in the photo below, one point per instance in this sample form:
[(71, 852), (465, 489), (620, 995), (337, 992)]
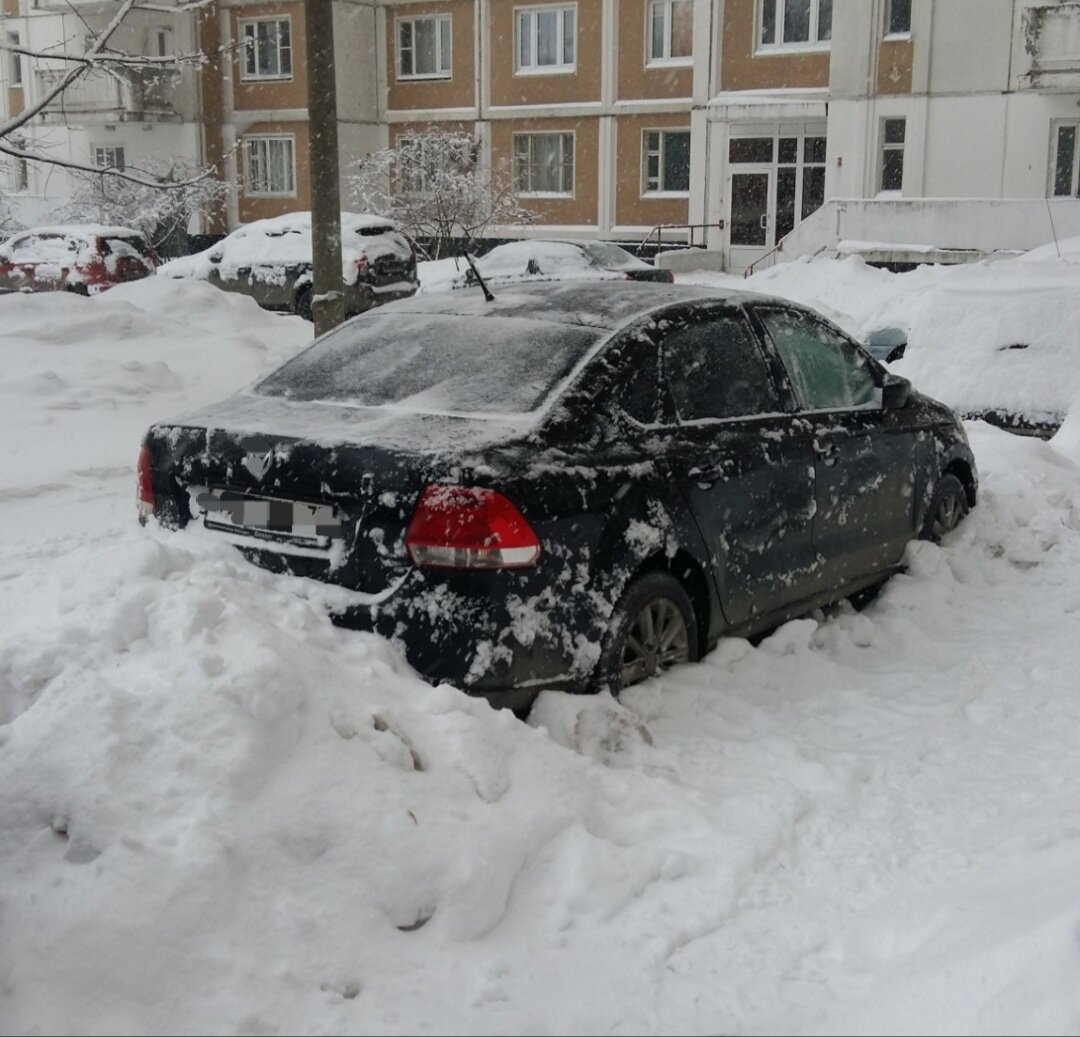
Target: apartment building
[(739, 117), (134, 117)]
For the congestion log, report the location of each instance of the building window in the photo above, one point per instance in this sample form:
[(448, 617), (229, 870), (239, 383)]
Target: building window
[(898, 18), (795, 23), (545, 39), (671, 31), (109, 157), (1066, 166), (667, 161), (544, 163), (893, 132), (267, 48), (270, 165), (15, 69), (424, 47), (163, 38)]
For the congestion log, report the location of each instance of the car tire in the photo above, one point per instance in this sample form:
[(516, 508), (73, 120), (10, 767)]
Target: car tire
[(302, 304), (655, 602), (948, 507)]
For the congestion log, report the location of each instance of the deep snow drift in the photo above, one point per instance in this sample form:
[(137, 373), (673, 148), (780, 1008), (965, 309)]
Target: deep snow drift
[(222, 814)]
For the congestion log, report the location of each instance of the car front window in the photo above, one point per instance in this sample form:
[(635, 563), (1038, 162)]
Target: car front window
[(826, 371)]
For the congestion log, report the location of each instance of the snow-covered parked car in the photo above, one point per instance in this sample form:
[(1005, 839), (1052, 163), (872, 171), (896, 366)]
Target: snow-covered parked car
[(1000, 341), (547, 259), (575, 485), (83, 258), (270, 260)]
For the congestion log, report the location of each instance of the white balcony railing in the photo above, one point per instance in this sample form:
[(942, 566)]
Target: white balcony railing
[(130, 94)]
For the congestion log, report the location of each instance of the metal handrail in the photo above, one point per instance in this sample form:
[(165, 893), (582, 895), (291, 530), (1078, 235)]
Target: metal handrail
[(659, 229), (778, 247)]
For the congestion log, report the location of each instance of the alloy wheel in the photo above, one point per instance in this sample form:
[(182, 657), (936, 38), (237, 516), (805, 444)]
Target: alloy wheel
[(656, 641), (949, 513)]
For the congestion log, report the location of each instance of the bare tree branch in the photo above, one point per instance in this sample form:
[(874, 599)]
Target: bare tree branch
[(20, 120)]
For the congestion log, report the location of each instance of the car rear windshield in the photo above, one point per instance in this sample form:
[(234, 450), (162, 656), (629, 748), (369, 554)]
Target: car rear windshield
[(436, 363)]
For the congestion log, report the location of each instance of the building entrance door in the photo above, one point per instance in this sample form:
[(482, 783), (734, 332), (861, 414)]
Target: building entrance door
[(753, 216), (776, 178)]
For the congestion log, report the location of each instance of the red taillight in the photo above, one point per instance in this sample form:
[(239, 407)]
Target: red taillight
[(458, 527), (361, 264), (145, 497)]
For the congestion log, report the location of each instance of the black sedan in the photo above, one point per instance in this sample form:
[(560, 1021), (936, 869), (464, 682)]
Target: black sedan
[(575, 485)]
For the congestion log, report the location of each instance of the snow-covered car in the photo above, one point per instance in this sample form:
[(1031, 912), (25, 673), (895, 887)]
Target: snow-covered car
[(1000, 342), (270, 260), (574, 485), (548, 259), (84, 258)]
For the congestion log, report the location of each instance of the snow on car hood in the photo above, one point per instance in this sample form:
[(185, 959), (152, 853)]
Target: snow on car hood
[(550, 260), (268, 246)]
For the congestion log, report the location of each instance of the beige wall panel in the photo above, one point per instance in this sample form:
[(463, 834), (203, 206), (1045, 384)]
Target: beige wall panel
[(274, 93), (635, 80), (631, 209), (264, 208), (741, 70), (558, 88), (15, 100), (894, 66), (582, 207), (10, 8), (459, 91)]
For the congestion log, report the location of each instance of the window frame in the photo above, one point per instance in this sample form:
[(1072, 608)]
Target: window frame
[(665, 60), (572, 134), (101, 151), (267, 138), (884, 146), (896, 34), (1056, 126), (256, 76), (661, 191), (15, 68), (444, 62), (532, 12), (814, 43)]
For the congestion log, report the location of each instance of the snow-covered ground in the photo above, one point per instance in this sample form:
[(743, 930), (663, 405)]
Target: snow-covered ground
[(221, 814)]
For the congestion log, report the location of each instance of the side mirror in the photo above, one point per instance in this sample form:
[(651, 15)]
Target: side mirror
[(895, 392)]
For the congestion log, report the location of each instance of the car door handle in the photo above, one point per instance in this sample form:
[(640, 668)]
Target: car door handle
[(827, 453), (706, 476)]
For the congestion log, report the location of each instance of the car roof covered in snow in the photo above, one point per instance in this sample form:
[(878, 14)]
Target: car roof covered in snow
[(596, 304), (81, 230)]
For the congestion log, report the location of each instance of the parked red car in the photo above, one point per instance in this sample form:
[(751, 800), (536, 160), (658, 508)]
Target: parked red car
[(86, 259)]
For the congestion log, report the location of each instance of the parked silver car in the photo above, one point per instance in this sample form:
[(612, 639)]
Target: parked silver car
[(270, 260)]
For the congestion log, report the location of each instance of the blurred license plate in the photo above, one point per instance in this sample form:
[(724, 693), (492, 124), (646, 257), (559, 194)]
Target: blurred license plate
[(270, 517)]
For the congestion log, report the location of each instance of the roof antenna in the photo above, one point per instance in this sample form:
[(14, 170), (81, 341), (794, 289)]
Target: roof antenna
[(476, 273)]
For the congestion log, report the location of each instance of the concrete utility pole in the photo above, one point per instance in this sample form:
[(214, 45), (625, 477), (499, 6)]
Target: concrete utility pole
[(328, 303)]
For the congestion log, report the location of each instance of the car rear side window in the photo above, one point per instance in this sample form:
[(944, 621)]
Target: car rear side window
[(436, 363), (827, 371), (715, 370)]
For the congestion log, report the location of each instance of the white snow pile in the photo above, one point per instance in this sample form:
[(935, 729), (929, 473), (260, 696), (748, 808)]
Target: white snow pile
[(223, 814), (269, 246), (998, 336), (82, 380)]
